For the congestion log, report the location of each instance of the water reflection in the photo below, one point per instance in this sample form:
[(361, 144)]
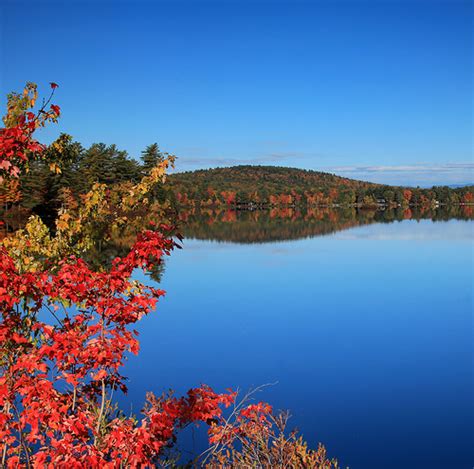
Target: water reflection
[(280, 224), (243, 226)]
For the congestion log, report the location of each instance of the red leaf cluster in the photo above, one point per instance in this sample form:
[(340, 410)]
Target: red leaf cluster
[(65, 331), (16, 145), (55, 378)]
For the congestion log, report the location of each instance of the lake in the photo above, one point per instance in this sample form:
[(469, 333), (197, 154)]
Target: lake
[(364, 324)]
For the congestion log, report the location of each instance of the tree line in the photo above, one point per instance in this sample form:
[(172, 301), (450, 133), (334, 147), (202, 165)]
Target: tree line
[(42, 190), (281, 186)]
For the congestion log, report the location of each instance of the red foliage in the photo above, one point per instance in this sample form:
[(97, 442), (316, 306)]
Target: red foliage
[(468, 198), (56, 377), (15, 144)]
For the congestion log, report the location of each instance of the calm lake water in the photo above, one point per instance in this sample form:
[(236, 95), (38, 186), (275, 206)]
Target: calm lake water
[(367, 332)]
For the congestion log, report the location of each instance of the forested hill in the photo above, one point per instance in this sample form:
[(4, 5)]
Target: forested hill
[(273, 178), (278, 185)]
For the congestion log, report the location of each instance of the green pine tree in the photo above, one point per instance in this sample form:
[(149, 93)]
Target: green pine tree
[(151, 156)]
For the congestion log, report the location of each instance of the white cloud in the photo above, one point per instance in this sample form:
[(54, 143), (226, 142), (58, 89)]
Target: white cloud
[(415, 168), (418, 174)]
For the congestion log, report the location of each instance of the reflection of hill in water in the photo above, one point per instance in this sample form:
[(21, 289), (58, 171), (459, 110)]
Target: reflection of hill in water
[(261, 226), (257, 226)]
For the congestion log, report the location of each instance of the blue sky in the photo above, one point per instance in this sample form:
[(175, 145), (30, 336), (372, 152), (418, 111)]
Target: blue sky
[(377, 90)]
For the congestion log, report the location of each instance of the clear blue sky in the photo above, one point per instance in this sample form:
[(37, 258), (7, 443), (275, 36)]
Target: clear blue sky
[(379, 90)]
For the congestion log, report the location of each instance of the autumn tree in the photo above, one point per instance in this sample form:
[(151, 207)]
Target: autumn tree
[(58, 373)]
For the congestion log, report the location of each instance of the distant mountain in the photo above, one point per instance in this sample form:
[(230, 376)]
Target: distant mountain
[(455, 186), (276, 185)]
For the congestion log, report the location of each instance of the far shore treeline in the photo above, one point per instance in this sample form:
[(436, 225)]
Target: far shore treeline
[(241, 187)]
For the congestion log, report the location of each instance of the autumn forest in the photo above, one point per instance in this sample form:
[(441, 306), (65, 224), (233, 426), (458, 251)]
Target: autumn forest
[(42, 191)]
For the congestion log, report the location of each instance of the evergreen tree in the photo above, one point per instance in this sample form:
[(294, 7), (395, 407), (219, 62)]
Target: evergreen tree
[(125, 169), (34, 185), (98, 164), (69, 177), (151, 156)]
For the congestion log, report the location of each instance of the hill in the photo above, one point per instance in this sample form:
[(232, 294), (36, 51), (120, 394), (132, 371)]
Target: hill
[(274, 178), (276, 185)]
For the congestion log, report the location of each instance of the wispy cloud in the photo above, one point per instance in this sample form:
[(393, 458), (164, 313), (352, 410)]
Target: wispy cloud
[(422, 174), (415, 168), (288, 157)]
